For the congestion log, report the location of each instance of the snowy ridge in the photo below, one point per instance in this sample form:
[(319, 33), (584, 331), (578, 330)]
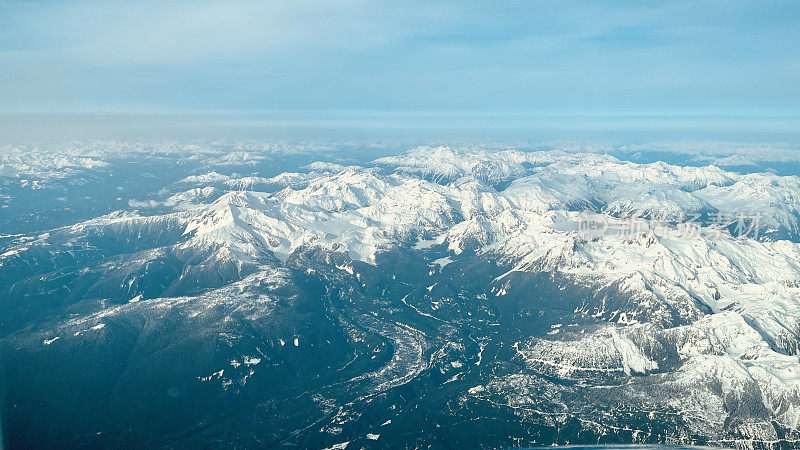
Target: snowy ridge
[(710, 313), (753, 286)]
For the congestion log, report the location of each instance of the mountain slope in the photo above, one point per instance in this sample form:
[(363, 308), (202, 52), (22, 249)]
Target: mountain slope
[(423, 291)]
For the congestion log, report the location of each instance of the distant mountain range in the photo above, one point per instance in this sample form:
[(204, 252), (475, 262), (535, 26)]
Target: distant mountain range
[(314, 296)]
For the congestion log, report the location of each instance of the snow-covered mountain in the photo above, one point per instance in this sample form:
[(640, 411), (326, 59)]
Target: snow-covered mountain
[(460, 271)]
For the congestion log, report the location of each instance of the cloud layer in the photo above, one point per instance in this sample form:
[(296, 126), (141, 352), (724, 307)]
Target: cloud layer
[(568, 56)]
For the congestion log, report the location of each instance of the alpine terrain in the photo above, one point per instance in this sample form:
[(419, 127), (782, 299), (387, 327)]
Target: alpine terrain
[(346, 296)]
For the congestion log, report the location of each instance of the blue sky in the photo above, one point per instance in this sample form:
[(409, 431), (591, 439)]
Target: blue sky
[(721, 58)]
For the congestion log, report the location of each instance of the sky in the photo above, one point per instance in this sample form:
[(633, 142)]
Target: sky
[(560, 58)]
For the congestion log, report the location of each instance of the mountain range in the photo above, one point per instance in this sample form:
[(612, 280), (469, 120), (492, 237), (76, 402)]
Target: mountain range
[(310, 296)]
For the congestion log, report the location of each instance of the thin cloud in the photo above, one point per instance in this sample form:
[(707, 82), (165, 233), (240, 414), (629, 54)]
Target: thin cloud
[(362, 54)]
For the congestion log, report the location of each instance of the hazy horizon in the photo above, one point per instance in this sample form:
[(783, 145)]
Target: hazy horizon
[(405, 126), (358, 69), (573, 57)]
